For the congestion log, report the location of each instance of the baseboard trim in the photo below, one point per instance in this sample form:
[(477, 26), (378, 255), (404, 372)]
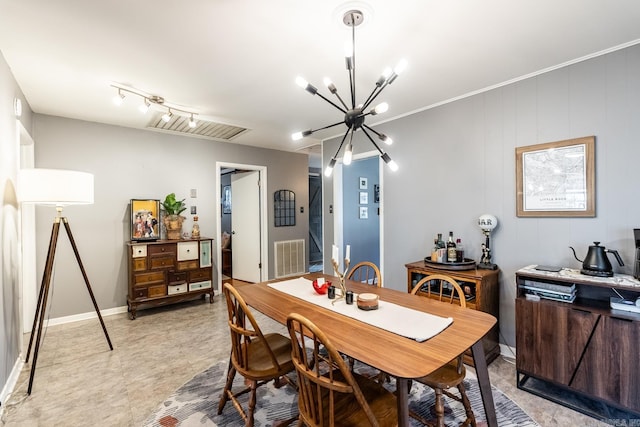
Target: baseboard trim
[(10, 385)]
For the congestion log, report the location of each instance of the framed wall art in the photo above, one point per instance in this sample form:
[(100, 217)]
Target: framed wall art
[(145, 214), (226, 199), (556, 179), (364, 198)]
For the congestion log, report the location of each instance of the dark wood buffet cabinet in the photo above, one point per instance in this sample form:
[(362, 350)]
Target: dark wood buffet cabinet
[(168, 271), (583, 347), (482, 293)]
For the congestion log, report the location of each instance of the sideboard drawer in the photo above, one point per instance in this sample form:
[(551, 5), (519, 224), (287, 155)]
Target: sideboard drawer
[(139, 264), (138, 251), (161, 262), (177, 289), (187, 251), (177, 277), (162, 249), (200, 285), (146, 278), (199, 275), (157, 291), (187, 265)]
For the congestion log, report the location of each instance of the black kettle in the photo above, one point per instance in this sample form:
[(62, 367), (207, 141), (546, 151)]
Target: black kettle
[(596, 263)]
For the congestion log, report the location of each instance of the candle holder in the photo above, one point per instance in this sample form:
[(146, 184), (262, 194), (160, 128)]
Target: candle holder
[(342, 276)]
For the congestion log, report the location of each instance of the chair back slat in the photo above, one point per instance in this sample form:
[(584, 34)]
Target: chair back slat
[(323, 376), (441, 287), (246, 336), (366, 272)]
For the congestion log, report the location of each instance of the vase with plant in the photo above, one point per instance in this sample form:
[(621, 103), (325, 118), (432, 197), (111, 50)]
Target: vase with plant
[(172, 219)]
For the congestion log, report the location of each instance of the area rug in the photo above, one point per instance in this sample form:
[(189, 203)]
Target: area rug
[(196, 404)]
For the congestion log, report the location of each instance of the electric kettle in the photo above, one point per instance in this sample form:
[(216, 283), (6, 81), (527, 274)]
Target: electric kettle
[(596, 263)]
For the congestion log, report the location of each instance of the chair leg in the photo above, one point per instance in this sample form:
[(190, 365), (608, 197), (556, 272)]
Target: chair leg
[(471, 418), (227, 388), (252, 404), (439, 406)]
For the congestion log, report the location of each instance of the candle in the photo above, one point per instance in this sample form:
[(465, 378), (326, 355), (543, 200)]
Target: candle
[(334, 254), (348, 254)]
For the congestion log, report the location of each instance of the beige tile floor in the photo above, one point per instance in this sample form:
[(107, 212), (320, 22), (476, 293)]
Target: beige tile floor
[(79, 382)]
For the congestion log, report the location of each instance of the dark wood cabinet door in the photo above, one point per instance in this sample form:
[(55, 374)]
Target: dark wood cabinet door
[(550, 338), (610, 365)]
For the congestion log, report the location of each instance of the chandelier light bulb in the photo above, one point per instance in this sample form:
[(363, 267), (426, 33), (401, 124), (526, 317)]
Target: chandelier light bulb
[(348, 155), (402, 65), (301, 82), (381, 108), (119, 98), (393, 166), (296, 136), (386, 139), (329, 169)]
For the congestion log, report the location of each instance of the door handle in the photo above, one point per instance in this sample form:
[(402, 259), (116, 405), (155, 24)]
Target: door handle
[(233, 232)]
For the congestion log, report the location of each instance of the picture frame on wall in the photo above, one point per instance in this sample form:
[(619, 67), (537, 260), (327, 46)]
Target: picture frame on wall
[(226, 199), (362, 183), (145, 219), (364, 212), (364, 198), (556, 179)]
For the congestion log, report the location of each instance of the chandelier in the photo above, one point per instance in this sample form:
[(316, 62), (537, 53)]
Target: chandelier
[(354, 116)]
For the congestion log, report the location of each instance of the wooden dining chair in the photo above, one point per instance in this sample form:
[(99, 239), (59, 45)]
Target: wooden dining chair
[(446, 289), (366, 272), (258, 357), (329, 393)]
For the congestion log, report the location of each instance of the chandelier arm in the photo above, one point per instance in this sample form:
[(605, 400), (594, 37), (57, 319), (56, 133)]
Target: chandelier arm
[(373, 130), (374, 95), (353, 69), (341, 101), (341, 143), (371, 139), (331, 102), (328, 126)]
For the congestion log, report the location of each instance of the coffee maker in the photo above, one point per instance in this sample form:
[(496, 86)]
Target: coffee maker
[(636, 260)]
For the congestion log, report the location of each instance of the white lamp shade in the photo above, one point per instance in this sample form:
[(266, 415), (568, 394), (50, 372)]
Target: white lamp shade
[(55, 187), (487, 222)]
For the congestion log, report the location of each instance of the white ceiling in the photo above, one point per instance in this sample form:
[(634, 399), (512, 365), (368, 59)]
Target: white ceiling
[(235, 61)]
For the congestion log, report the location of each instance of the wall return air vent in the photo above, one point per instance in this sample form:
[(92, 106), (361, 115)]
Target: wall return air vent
[(204, 128)]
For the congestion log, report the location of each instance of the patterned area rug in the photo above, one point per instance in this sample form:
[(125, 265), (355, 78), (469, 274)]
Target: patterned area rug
[(196, 404)]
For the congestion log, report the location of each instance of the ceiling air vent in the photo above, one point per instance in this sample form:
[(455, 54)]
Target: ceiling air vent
[(204, 128)]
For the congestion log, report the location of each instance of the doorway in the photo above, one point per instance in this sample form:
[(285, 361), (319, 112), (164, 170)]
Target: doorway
[(249, 245), (315, 222), (358, 208)]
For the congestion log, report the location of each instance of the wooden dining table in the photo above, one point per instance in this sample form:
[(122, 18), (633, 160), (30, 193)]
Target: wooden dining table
[(401, 357)]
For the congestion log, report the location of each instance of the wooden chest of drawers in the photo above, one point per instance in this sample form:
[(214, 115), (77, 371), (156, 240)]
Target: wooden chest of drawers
[(168, 271)]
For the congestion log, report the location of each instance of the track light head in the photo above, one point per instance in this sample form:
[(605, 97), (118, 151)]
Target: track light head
[(192, 122), (167, 116), (144, 107), (119, 98)]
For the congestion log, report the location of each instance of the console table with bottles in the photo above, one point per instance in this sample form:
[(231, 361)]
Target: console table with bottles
[(482, 292)]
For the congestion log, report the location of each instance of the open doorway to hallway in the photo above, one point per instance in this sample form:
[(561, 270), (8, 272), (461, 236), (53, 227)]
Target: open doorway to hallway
[(315, 220)]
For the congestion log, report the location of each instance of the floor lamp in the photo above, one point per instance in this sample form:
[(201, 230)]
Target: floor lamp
[(59, 188)]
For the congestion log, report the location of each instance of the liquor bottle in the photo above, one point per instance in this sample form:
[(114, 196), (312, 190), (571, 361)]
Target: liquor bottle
[(195, 231), (434, 250), (459, 251), (451, 248), (440, 241)]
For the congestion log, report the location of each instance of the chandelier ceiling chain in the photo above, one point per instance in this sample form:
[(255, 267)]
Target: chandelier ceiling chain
[(354, 116)]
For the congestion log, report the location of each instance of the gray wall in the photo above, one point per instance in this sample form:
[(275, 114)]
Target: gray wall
[(130, 163), (457, 161)]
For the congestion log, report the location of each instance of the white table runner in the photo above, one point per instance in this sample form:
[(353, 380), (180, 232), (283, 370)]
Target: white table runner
[(391, 317)]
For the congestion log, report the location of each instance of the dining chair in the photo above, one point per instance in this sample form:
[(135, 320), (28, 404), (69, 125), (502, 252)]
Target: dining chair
[(366, 272), (258, 357), (329, 394), (446, 289)]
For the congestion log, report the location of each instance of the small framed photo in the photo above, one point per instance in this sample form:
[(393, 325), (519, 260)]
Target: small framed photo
[(226, 199), (362, 183), (376, 193), (364, 198), (364, 212), (145, 214)]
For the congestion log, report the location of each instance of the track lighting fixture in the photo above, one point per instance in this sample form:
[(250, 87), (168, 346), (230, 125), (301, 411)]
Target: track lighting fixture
[(149, 100), (354, 116)]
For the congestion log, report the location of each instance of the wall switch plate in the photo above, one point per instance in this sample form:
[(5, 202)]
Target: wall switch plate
[(193, 210), (194, 193)]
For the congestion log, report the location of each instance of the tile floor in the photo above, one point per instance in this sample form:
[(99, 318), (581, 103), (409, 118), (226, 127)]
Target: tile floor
[(79, 382)]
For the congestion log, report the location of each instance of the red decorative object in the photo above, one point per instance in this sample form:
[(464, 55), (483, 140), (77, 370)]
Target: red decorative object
[(321, 289)]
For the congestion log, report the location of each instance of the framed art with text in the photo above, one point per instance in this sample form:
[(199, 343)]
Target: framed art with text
[(145, 214), (556, 179)]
